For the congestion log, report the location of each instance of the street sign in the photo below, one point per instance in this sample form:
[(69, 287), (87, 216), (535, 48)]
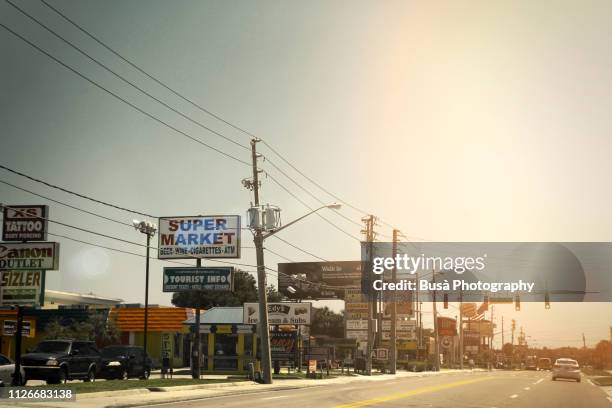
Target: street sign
[(447, 326), (356, 325), (381, 354), (29, 255), (279, 313), (20, 288), (25, 223), (9, 328), (360, 335), (211, 236), (468, 310), (184, 279), (318, 280)]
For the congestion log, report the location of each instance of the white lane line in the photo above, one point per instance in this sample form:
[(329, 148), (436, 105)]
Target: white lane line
[(591, 382), (279, 396), (526, 388), (514, 396), (539, 381), (609, 399)]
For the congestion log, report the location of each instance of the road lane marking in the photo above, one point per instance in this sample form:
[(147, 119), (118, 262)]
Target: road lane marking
[(417, 391), (526, 388), (591, 382), (609, 399), (539, 381), (514, 396), (278, 396)]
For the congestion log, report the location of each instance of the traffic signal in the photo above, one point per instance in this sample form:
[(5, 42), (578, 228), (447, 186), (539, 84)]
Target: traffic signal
[(513, 324), (517, 303), (446, 300), (547, 301)]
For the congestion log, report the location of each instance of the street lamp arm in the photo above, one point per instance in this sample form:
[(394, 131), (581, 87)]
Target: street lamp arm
[(332, 206)]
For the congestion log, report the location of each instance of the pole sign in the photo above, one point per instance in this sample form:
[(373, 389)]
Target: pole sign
[(25, 223), (283, 345), (279, 313), (211, 236), (198, 278), (29, 255), (447, 326), (20, 288)]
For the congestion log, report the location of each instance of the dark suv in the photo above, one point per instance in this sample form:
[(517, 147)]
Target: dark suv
[(123, 362), (57, 361)]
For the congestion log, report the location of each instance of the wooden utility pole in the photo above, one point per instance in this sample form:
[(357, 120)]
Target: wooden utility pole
[(393, 367)]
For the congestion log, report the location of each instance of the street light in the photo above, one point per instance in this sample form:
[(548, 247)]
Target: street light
[(259, 236), (149, 229)]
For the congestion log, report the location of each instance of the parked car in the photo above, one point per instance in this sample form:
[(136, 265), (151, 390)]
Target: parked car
[(7, 369), (544, 364), (566, 368), (123, 362), (57, 361)]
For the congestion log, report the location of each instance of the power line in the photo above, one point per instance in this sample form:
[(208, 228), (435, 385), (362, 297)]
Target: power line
[(122, 78), (299, 249), (148, 75), (74, 193), (207, 111), (277, 254), (68, 205), (310, 208), (91, 81)]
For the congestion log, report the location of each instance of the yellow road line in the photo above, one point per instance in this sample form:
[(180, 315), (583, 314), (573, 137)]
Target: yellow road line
[(411, 393)]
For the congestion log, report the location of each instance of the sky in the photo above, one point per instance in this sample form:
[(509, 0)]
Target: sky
[(451, 120)]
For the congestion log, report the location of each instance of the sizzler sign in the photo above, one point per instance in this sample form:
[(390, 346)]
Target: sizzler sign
[(214, 236), (25, 223)]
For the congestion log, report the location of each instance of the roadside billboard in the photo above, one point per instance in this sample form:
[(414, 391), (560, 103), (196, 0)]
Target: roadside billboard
[(24, 223), (184, 279), (279, 313), (483, 327), (318, 280), (468, 310), (20, 287), (211, 236), (29, 255)]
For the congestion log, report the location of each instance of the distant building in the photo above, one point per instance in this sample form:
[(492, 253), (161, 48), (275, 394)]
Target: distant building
[(56, 298)]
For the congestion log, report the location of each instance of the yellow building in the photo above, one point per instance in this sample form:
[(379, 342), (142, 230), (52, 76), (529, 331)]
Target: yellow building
[(228, 345)]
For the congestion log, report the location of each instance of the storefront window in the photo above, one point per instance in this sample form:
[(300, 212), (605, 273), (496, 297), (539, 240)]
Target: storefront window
[(226, 352)]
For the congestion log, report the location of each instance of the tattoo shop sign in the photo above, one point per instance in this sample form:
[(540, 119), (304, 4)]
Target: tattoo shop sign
[(24, 223), (279, 313), (211, 236)]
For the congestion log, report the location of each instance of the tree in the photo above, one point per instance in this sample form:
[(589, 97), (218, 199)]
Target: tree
[(327, 322), (96, 327), (245, 290)]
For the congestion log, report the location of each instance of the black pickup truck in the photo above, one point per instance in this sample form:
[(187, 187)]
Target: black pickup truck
[(57, 361)]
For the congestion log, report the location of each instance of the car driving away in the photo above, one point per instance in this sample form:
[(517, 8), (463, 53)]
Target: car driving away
[(123, 362), (566, 368), (57, 361)]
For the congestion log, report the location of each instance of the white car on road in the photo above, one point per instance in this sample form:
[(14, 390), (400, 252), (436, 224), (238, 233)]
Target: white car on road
[(7, 368), (566, 368)]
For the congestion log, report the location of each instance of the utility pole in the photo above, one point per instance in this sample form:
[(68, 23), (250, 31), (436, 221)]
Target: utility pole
[(196, 353), (264, 330), (461, 329), (583, 341), (393, 367), (17, 380), (502, 331), (369, 236), (435, 317), (513, 329)]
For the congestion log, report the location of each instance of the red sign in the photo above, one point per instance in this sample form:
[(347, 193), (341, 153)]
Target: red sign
[(447, 326)]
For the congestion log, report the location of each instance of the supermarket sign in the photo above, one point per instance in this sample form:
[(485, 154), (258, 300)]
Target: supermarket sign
[(211, 236), (29, 255)]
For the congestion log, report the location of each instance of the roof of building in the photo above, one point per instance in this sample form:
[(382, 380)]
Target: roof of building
[(160, 319), (56, 296), (219, 315)]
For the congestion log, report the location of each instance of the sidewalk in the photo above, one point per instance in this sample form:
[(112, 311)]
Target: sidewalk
[(144, 397)]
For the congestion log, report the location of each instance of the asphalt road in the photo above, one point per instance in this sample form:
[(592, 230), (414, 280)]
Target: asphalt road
[(499, 389)]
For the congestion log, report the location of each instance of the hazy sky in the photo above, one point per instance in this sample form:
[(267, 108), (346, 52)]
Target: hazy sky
[(455, 121)]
